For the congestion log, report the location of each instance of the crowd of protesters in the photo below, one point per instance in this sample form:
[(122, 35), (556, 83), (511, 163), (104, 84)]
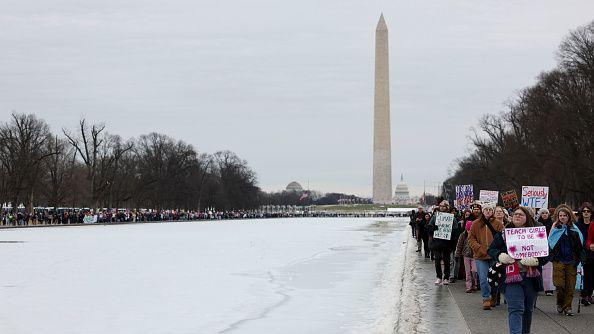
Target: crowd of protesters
[(478, 245), (105, 216)]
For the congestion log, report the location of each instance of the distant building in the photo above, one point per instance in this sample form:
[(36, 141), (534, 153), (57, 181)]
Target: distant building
[(402, 195), (294, 186)]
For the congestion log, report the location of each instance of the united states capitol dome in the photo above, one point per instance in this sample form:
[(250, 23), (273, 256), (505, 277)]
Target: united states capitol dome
[(402, 195)]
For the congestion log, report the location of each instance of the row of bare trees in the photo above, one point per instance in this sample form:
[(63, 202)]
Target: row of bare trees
[(89, 167), (546, 137)]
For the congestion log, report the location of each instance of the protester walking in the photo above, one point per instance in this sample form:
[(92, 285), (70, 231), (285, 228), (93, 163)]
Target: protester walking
[(481, 235), (457, 230), (522, 283), (584, 223), (423, 235), (566, 243), (590, 247), (544, 218), (441, 248), (417, 220), (412, 223), (463, 250)]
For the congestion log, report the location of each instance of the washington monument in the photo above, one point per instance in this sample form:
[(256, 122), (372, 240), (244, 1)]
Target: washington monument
[(382, 156)]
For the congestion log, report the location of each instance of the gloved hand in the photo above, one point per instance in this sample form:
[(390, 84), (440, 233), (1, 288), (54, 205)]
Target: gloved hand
[(506, 259), (529, 262)]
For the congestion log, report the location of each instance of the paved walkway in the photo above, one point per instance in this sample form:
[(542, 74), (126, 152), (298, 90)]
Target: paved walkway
[(449, 309)]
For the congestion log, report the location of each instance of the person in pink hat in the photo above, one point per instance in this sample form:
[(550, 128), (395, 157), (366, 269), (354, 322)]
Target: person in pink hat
[(463, 249)]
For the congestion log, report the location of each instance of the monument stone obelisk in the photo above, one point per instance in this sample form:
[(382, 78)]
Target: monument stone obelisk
[(382, 157)]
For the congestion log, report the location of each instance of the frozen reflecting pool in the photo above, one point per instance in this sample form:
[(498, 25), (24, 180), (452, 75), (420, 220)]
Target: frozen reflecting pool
[(253, 276)]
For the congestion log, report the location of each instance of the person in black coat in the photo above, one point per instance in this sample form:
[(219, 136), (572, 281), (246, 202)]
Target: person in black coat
[(423, 234), (459, 227), (441, 248), (584, 221)]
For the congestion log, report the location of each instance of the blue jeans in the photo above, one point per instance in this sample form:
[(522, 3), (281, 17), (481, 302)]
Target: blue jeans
[(482, 268), (520, 303)]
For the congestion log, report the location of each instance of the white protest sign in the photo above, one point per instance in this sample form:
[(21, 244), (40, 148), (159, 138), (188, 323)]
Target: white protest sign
[(443, 222), (88, 219), (490, 196), (535, 197), (527, 242)]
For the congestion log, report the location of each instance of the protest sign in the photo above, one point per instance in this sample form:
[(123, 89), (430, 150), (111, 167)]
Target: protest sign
[(89, 219), (527, 242), (535, 197), (464, 197), (510, 199), (443, 222), (490, 196)]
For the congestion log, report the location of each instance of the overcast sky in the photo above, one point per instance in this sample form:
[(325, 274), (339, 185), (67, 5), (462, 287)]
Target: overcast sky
[(287, 85)]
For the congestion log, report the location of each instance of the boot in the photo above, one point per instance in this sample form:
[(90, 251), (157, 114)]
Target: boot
[(487, 304), (496, 299)]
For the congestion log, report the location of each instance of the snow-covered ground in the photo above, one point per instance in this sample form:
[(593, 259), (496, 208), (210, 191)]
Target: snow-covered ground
[(253, 276)]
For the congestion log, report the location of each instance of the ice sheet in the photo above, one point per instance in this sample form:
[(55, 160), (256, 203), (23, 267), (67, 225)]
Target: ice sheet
[(251, 276)]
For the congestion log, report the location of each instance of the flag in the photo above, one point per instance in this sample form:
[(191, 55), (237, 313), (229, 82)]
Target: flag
[(304, 195)]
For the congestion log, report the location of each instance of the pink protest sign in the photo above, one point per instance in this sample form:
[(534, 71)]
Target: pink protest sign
[(527, 242)]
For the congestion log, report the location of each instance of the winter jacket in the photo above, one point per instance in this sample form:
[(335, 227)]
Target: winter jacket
[(422, 226), (480, 237), (590, 238), (413, 217), (463, 247), (585, 228), (498, 246), (457, 230), (547, 223), (577, 248)]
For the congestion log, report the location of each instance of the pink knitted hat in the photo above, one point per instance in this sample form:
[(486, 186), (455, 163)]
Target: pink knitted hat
[(468, 225)]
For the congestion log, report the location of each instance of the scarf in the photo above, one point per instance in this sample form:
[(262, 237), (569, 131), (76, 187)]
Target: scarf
[(556, 234)]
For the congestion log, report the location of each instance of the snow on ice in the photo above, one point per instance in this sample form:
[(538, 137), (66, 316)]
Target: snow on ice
[(252, 276)]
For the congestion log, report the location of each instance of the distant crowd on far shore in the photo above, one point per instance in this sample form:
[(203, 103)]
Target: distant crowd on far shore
[(81, 216), (106, 216)]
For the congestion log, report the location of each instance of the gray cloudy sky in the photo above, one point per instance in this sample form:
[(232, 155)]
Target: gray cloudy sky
[(288, 86)]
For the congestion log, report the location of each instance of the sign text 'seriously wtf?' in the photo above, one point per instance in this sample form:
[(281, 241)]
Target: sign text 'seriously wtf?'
[(535, 196)]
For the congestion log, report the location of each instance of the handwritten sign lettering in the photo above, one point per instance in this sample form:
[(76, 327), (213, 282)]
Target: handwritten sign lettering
[(510, 199), (490, 196), (535, 196), (443, 222), (464, 196), (527, 242)]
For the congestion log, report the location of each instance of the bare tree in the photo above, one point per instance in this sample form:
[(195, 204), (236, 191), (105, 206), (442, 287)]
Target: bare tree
[(58, 171), (238, 188), (22, 150), (545, 137), (100, 153)]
